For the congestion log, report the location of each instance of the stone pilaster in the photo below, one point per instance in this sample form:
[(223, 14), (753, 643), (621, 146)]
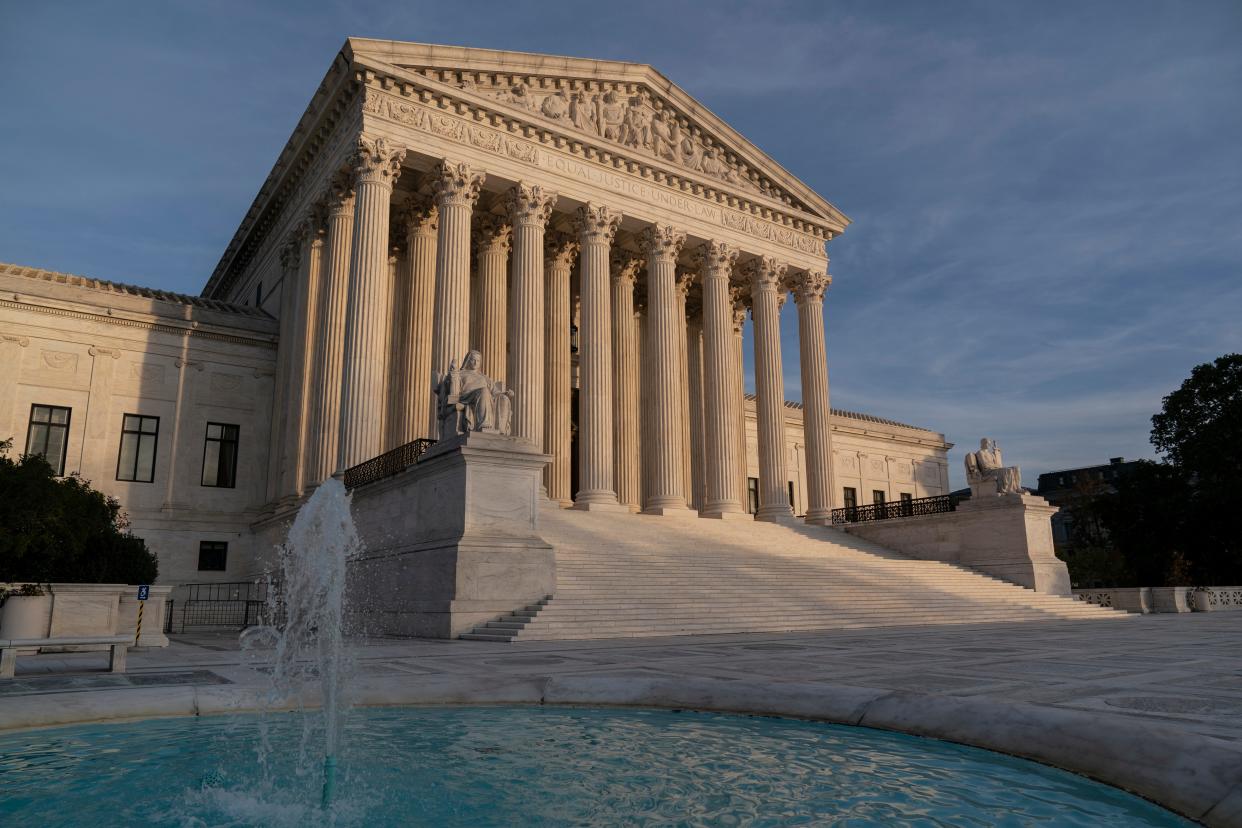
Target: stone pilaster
[(597, 226), (457, 188), (377, 164), (808, 288), (627, 462), (557, 423), (721, 398), (290, 254), (530, 207), (305, 312), (493, 241), (330, 334), (667, 492), (765, 275)]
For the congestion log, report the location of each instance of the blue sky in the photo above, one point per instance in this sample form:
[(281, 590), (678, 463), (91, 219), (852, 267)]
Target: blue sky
[(1047, 197)]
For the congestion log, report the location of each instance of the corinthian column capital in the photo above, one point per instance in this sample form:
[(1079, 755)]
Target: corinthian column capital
[(662, 242), (764, 273), (418, 215), (376, 160), (597, 223), (560, 249), (809, 285), (739, 298), (456, 184), (339, 194), (716, 258), (493, 234), (625, 266), (530, 204), (291, 251), (685, 279)]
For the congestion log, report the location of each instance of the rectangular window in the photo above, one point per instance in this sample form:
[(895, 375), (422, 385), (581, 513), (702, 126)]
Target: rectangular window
[(877, 497), (907, 504), (48, 435), (213, 556), (792, 505), (850, 497), (220, 456), (136, 460), (752, 494)]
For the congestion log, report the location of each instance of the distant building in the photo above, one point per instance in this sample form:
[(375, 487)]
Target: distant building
[(1067, 487)]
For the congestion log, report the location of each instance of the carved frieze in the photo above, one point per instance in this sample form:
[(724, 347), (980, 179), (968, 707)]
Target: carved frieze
[(60, 361)]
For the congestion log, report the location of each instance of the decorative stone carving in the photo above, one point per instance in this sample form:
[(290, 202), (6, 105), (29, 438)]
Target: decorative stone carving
[(493, 233), (596, 222), (987, 473), (716, 257), (625, 266), (375, 159), (809, 286), (560, 249), (662, 241), (764, 273), (418, 215), (469, 400), (457, 184), (530, 204), (60, 361)]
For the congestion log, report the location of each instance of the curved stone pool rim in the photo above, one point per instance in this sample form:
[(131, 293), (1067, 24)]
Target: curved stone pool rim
[(1197, 777)]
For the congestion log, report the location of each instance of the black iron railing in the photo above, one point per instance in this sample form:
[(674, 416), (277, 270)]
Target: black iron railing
[(227, 605), (895, 509), (387, 464)]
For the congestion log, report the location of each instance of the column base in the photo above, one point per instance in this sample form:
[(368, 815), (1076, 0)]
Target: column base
[(776, 514), (599, 506), (670, 511), (739, 515), (819, 517)]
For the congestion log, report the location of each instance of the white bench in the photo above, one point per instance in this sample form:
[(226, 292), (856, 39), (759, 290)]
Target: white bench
[(120, 645)]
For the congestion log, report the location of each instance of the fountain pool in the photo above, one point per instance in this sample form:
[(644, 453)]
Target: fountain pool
[(481, 766)]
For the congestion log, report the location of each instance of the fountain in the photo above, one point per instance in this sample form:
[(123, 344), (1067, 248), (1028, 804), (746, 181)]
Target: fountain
[(306, 617)]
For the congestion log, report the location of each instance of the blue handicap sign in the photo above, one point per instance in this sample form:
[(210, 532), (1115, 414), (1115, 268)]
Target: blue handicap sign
[(144, 592)]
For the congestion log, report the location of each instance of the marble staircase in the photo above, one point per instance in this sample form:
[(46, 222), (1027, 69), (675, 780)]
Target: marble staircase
[(622, 575)]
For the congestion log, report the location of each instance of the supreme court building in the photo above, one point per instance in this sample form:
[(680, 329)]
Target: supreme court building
[(595, 233)]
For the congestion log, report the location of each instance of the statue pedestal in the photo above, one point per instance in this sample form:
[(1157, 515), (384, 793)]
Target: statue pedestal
[(453, 541)]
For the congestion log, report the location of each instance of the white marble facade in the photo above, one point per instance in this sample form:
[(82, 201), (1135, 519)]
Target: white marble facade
[(595, 233)]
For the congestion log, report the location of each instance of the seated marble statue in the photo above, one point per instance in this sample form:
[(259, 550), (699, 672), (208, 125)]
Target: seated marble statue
[(469, 400), (986, 471)]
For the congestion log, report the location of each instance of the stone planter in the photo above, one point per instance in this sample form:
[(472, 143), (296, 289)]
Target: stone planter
[(152, 616), (84, 609), (26, 616)]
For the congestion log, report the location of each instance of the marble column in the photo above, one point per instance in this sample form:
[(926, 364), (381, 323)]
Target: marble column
[(562, 249), (627, 464), (457, 188), (305, 311), (809, 287), (417, 223), (685, 279), (667, 493), (330, 333), (290, 259), (377, 164), (597, 226), (721, 397), (492, 244), (737, 397), (765, 275), (530, 207), (394, 321)]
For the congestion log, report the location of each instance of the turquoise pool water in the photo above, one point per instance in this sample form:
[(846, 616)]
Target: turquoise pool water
[(512, 766)]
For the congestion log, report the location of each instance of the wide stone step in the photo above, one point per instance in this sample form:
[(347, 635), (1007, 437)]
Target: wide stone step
[(662, 616)]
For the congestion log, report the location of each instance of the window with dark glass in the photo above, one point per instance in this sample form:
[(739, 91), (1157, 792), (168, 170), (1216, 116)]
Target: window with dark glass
[(877, 497), (48, 434), (792, 505), (136, 459), (220, 456), (752, 494), (907, 503), (213, 556), (850, 497)]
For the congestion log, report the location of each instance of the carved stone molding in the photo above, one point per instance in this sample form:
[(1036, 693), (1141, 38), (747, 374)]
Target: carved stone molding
[(809, 285), (376, 160), (560, 249), (99, 350), (662, 241), (189, 363), (22, 341), (456, 183), (764, 273), (493, 233), (597, 223), (530, 204)]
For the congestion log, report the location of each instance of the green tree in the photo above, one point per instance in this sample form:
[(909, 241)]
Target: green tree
[(1200, 427), (61, 530)]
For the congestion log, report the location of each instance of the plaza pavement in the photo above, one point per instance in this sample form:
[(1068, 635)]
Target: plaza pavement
[(1152, 703)]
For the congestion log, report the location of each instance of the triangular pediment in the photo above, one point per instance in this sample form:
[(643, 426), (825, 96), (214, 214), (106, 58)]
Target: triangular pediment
[(627, 105)]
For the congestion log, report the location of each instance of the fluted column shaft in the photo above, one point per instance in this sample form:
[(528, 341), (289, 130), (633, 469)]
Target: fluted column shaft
[(365, 369), (413, 321), (330, 334), (721, 399), (492, 247), (684, 280), (809, 290), (597, 225), (627, 465), (694, 362), (765, 285), (557, 423), (530, 207), (738, 394), (299, 376), (277, 456), (667, 493), (457, 189)]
